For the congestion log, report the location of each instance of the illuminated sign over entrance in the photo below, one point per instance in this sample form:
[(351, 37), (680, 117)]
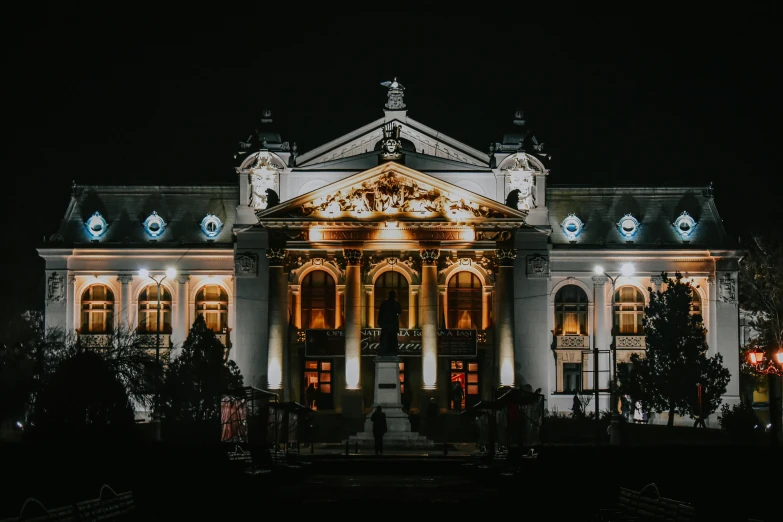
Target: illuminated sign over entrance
[(331, 343)]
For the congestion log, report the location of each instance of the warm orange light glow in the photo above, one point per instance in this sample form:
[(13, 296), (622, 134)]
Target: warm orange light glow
[(756, 356), (779, 357)]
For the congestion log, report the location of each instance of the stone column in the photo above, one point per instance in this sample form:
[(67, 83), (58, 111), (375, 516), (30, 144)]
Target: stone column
[(278, 320), (338, 307), (428, 317), (710, 318), (369, 290), (504, 322), (602, 330), (486, 299), (413, 300), (181, 323), (296, 303), (353, 318), (124, 315)]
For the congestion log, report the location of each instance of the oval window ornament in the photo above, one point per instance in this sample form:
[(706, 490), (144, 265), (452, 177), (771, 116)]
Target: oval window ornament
[(572, 227), (154, 224), (211, 225), (96, 225), (684, 225), (628, 226)]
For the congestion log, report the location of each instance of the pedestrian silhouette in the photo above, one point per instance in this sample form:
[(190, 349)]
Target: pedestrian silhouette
[(577, 406), (378, 428), (456, 395)]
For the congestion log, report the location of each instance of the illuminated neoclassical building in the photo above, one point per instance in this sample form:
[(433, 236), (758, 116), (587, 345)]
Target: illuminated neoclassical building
[(493, 265)]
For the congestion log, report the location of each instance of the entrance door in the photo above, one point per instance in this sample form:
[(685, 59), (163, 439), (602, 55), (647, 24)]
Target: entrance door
[(318, 385), (464, 374)]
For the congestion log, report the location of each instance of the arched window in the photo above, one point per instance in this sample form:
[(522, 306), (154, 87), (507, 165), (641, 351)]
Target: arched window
[(464, 301), (148, 310), (629, 310), (387, 282), (571, 311), (696, 303), (97, 309), (212, 305), (318, 300)]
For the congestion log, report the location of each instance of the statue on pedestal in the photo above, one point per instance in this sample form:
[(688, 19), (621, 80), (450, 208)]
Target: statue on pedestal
[(389, 322)]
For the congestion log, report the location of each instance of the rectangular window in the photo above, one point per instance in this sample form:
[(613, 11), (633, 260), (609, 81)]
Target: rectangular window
[(572, 377)]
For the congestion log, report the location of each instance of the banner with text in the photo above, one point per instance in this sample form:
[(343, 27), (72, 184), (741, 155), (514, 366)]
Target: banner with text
[(331, 343)]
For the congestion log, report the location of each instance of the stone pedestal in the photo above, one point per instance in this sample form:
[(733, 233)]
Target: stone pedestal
[(387, 396)]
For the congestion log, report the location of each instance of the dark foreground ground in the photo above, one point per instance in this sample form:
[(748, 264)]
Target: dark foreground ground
[(563, 483)]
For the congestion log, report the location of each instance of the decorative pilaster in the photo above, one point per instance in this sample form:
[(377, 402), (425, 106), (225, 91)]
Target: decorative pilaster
[(504, 282), (353, 317), (602, 336), (125, 300), (278, 320), (70, 305), (181, 323), (428, 317)]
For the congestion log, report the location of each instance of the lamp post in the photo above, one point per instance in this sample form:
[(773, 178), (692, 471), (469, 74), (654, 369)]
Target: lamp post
[(626, 270), (773, 369), (170, 273)]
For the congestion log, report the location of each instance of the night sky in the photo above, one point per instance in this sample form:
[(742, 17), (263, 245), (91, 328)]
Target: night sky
[(101, 96)]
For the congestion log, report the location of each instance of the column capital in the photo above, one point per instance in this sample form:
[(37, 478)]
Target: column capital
[(183, 278), (600, 280), (276, 256), (429, 256), (657, 280), (710, 279), (71, 279), (353, 256), (506, 256), (124, 278)]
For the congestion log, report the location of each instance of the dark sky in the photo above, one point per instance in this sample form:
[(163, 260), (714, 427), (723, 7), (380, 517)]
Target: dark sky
[(106, 96)]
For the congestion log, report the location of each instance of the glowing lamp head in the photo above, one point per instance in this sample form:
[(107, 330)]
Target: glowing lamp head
[(779, 356), (627, 270), (171, 273), (756, 356), (143, 272), (598, 270)]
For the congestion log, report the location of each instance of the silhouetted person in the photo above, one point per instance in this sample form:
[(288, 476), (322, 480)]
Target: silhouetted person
[(389, 322), (378, 428), (577, 406), (310, 395), (457, 395)]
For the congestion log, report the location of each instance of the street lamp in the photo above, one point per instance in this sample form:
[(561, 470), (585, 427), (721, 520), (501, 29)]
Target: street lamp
[(772, 369), (626, 270), (171, 273)]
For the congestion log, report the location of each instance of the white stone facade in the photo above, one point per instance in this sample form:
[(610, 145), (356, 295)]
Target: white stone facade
[(361, 223)]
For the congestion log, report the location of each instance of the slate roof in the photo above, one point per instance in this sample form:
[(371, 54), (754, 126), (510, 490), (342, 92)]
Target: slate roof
[(126, 207), (656, 209)]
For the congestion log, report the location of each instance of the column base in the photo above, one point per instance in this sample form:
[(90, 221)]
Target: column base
[(353, 404)]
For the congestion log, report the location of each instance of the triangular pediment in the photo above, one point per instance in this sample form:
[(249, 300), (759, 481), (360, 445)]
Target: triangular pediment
[(425, 140), (392, 191)]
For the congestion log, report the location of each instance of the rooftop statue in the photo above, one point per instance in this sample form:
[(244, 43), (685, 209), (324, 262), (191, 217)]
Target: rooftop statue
[(395, 95)]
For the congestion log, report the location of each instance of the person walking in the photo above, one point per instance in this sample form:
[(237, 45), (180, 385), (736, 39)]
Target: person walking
[(378, 428)]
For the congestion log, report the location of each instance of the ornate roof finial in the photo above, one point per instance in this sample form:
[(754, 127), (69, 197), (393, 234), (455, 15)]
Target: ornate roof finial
[(395, 95), (519, 118), (266, 116)]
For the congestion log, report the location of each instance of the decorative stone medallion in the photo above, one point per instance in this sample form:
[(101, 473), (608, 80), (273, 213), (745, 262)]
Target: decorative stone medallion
[(246, 265)]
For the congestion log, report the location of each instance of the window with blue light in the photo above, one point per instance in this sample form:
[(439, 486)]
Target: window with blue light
[(154, 224)]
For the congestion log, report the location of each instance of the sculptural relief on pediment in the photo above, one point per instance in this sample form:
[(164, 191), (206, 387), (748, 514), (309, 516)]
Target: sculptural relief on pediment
[(392, 193)]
